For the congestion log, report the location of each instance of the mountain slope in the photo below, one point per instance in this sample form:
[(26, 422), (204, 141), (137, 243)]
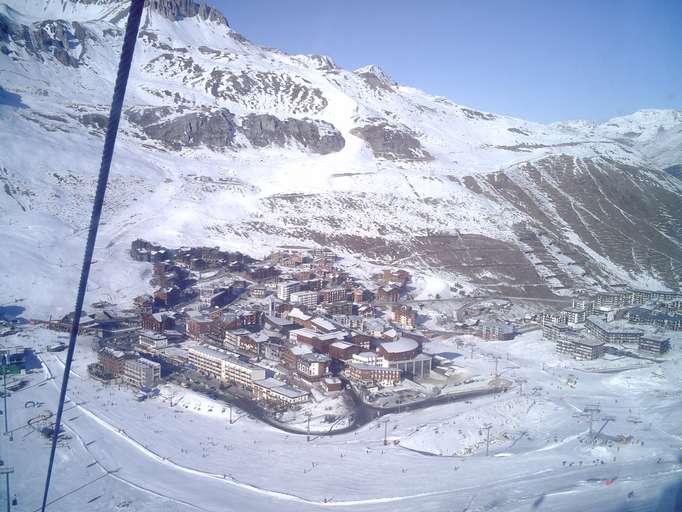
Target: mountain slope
[(227, 143)]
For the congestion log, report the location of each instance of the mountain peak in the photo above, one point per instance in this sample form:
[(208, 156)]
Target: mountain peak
[(179, 9), (377, 72)]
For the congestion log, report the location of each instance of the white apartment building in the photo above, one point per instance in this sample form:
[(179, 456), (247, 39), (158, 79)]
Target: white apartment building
[(304, 298), (141, 373), (286, 288), (225, 366), (152, 340)]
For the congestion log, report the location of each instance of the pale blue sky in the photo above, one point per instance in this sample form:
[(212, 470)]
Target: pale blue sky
[(539, 60)]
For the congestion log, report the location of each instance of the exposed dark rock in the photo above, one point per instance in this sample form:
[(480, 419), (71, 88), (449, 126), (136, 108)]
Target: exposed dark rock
[(617, 210), (147, 116), (392, 142), (322, 62), (266, 130), (55, 37), (248, 88), (214, 129), (675, 170), (98, 121), (178, 9), (475, 114)]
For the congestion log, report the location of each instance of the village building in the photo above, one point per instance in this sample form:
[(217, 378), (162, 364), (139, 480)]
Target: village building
[(405, 355), (338, 308), (388, 293), (299, 317), (317, 340), (312, 366), (281, 325), (361, 340), (152, 340), (331, 384), (144, 304), (654, 344), (224, 366), (277, 391), (158, 322), (254, 343), (258, 292), (613, 300), (250, 317), (575, 315), (168, 297), (657, 317), (343, 351), (349, 321), (120, 336), (494, 330), (399, 277), (141, 373), (371, 375), (360, 295), (579, 346), (552, 331), (198, 325), (319, 324), (112, 361), (304, 298), (224, 321), (323, 254), (336, 294), (289, 355), (611, 332), (262, 272), (390, 335), (234, 337), (286, 288), (585, 303), (404, 315)]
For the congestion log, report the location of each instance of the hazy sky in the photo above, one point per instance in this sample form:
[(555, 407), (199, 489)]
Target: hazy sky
[(539, 60)]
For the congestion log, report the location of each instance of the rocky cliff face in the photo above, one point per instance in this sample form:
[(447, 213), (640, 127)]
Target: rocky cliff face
[(177, 10), (317, 136), (251, 148), (217, 128)]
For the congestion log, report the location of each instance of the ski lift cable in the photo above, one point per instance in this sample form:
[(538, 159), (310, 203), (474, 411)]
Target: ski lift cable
[(130, 38)]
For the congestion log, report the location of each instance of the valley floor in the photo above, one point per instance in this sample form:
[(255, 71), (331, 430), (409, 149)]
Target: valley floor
[(127, 455)]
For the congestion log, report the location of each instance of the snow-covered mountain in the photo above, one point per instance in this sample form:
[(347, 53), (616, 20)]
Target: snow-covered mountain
[(227, 143)]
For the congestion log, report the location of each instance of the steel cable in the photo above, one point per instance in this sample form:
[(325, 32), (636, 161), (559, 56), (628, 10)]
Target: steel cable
[(130, 38)]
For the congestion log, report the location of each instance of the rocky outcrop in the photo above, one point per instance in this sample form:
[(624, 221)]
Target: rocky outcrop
[(392, 142), (214, 129), (317, 136), (262, 90), (179, 9), (94, 120), (376, 78), (63, 40)]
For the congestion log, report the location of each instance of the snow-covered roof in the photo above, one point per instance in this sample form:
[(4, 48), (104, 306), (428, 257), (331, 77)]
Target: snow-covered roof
[(300, 350), (401, 345), (290, 392), (323, 324), (269, 383), (297, 313), (314, 357)]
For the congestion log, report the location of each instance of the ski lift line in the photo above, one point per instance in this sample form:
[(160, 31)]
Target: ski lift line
[(130, 38)]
